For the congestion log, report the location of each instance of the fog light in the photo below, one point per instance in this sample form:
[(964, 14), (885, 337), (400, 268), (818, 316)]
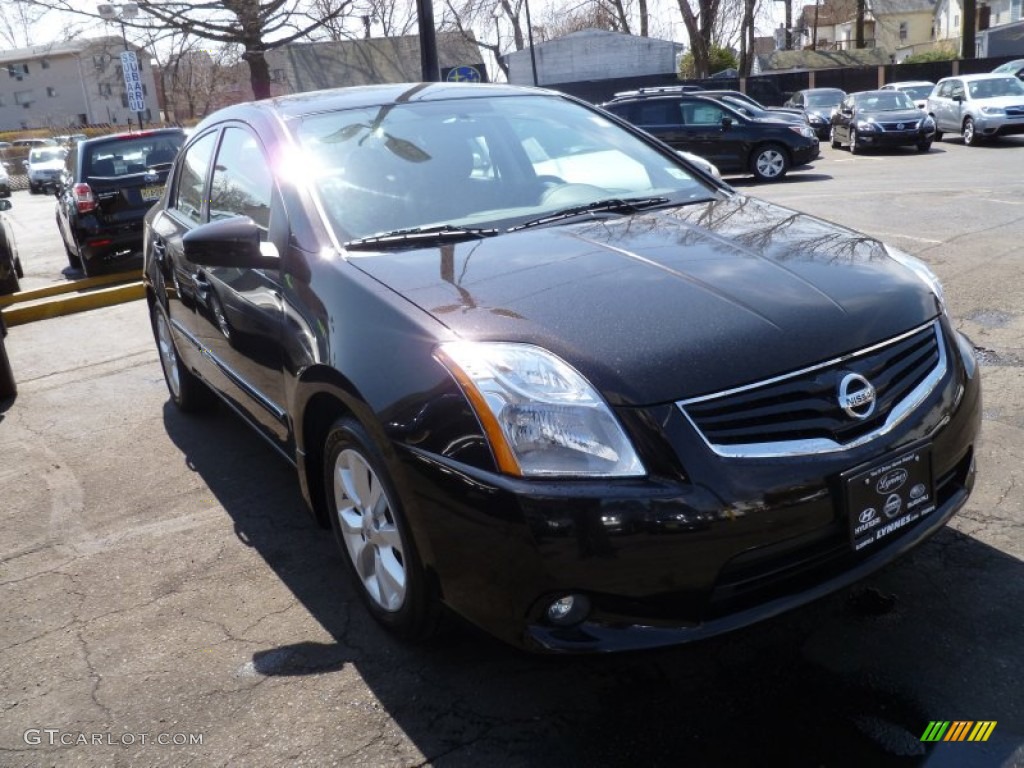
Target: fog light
[(568, 610)]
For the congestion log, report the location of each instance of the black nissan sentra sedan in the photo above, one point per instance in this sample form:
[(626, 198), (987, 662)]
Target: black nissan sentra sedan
[(535, 369)]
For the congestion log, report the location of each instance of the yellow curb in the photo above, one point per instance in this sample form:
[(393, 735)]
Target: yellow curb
[(48, 307), (73, 285)]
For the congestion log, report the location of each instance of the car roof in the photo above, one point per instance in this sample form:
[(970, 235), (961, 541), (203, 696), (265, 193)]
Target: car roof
[(905, 83), (131, 135), (978, 76), (354, 97)]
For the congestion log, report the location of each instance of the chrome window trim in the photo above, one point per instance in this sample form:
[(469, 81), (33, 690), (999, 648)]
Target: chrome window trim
[(819, 445)]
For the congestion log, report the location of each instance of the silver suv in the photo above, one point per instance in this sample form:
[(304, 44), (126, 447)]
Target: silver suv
[(978, 106)]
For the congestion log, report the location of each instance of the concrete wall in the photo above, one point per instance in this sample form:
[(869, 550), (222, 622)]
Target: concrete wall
[(594, 55)]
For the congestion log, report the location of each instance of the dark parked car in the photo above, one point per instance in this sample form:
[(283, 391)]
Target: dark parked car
[(10, 265), (1015, 67), (532, 366), (719, 133), (107, 185), (818, 104), (873, 119)]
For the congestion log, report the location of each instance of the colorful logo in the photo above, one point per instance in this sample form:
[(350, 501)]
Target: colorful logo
[(958, 730)]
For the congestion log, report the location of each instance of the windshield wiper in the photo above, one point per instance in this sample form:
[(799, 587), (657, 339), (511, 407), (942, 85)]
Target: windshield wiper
[(443, 233), (609, 205)]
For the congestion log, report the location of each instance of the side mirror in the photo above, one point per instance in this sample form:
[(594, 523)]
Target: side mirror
[(726, 122), (5, 204), (233, 242), (846, 111), (959, 99)]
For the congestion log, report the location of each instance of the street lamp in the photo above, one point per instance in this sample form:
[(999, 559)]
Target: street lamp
[(129, 64)]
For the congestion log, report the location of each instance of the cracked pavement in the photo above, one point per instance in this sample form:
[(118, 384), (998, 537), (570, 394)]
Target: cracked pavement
[(158, 574)]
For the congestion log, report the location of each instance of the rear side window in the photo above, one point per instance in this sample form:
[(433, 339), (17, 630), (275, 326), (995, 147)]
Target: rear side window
[(241, 184), (191, 178)]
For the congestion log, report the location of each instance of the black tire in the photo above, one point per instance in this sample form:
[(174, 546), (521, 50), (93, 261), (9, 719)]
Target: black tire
[(187, 392), (769, 162), (971, 138), (18, 270), (924, 146), (5, 192), (376, 546), (855, 148), (832, 137), (9, 284), (33, 189)]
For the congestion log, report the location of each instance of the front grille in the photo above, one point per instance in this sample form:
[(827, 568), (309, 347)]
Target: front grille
[(908, 126), (1015, 111), (800, 412)]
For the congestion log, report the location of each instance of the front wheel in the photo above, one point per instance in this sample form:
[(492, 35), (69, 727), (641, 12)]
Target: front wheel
[(855, 147), (924, 146), (18, 270), (371, 531), (769, 163), (833, 139), (971, 137), (188, 393)]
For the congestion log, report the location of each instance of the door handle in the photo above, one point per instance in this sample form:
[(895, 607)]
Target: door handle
[(201, 284)]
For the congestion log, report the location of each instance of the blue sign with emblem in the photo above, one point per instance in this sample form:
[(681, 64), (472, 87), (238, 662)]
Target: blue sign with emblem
[(464, 74)]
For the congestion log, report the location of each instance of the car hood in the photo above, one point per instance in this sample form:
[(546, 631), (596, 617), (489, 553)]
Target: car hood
[(51, 165), (665, 305), (1000, 101)]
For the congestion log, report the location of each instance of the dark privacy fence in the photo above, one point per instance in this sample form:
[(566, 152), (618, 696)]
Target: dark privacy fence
[(772, 90)]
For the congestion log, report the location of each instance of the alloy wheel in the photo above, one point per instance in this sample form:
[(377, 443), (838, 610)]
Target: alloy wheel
[(770, 163), (168, 355), (369, 531)]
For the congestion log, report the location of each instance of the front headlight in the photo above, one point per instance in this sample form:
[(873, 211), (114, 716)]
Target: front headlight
[(803, 130), (815, 118), (541, 416), (922, 270), (864, 125), (993, 111)]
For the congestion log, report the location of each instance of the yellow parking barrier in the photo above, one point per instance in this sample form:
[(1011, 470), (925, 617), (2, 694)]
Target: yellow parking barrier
[(84, 284), (44, 307)]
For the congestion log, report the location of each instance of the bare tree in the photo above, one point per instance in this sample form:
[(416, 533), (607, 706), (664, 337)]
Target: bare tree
[(700, 17), (255, 26)]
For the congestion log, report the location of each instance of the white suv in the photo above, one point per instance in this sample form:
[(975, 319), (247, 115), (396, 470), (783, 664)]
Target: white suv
[(978, 106)]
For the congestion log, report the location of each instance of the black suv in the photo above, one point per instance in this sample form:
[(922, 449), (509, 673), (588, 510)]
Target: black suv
[(716, 131), (106, 188)]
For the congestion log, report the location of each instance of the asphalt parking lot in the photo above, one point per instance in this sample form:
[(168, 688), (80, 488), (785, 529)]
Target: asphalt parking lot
[(165, 600)]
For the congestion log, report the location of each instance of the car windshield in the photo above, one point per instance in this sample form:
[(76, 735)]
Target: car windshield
[(884, 101), (488, 162), (827, 98), (991, 88), (45, 155), (132, 154), (917, 91)]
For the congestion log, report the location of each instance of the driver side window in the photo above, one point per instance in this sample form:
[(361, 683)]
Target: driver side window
[(191, 178)]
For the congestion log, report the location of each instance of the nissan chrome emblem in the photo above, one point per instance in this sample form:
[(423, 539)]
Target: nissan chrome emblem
[(856, 396)]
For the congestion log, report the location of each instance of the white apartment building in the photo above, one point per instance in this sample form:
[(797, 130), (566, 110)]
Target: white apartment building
[(68, 85)]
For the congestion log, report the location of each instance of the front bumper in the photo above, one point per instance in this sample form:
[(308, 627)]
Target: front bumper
[(999, 126), (682, 554), (807, 154), (894, 138)]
